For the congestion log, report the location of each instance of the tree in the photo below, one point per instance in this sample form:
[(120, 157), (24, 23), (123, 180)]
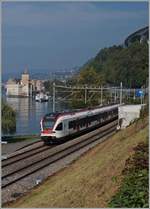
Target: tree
[(8, 119), (89, 76), (117, 64)]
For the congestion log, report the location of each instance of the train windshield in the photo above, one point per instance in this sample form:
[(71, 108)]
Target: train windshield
[(48, 123)]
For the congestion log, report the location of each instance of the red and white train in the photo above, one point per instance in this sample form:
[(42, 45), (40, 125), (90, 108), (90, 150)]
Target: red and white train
[(59, 126)]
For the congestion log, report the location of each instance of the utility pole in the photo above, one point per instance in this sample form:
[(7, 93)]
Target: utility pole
[(85, 95), (129, 94), (115, 94), (54, 95), (134, 95), (120, 93), (142, 96), (101, 95), (141, 99)]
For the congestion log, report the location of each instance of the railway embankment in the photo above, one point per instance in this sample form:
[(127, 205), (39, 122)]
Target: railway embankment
[(91, 180)]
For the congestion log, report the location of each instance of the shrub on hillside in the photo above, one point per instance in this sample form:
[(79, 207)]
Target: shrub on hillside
[(133, 192), (8, 119)]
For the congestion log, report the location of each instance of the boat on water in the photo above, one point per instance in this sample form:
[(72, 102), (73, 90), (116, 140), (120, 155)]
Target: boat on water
[(41, 97)]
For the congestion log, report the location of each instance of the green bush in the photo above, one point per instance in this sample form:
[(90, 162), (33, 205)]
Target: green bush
[(133, 192), (8, 119), (116, 64)]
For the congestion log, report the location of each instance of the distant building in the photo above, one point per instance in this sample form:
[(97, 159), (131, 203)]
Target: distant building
[(25, 78), (20, 87), (12, 87), (142, 35), (38, 85)]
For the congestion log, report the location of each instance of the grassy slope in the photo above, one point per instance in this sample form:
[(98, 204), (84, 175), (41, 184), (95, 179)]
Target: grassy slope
[(93, 179)]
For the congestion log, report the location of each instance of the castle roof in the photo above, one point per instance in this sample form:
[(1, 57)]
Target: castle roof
[(26, 71), (11, 81)]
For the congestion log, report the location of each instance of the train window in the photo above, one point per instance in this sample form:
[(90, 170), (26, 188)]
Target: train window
[(71, 124), (59, 127), (82, 122), (90, 119), (48, 123)]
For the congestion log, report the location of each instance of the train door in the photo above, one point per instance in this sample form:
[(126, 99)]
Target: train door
[(65, 128), (59, 130), (77, 125)]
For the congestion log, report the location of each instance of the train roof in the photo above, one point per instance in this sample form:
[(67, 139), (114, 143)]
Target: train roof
[(78, 112)]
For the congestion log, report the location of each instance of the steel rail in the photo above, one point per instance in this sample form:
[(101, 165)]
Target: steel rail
[(25, 146), (56, 156), (24, 155), (18, 151), (54, 151), (7, 161)]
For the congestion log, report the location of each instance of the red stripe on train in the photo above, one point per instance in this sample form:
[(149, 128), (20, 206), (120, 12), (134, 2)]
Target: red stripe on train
[(47, 131)]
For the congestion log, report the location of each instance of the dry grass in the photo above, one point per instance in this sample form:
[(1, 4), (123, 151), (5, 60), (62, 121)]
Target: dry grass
[(91, 180)]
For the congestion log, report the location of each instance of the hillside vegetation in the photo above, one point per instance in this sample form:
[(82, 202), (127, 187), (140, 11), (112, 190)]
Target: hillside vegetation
[(117, 64), (8, 119), (109, 67), (134, 192), (94, 178)]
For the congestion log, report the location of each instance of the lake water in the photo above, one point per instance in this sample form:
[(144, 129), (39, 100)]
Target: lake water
[(29, 113)]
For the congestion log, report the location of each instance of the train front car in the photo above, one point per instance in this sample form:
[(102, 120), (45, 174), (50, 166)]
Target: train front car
[(57, 127), (47, 125)]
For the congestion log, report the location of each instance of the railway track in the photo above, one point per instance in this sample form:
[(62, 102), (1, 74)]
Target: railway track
[(26, 148), (23, 155), (28, 145), (13, 172)]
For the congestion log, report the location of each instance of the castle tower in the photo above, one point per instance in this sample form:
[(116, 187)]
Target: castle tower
[(25, 77)]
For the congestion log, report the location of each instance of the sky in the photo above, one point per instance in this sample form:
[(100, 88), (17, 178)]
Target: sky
[(52, 36)]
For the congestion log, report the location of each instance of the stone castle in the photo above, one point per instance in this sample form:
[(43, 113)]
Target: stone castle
[(23, 87)]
